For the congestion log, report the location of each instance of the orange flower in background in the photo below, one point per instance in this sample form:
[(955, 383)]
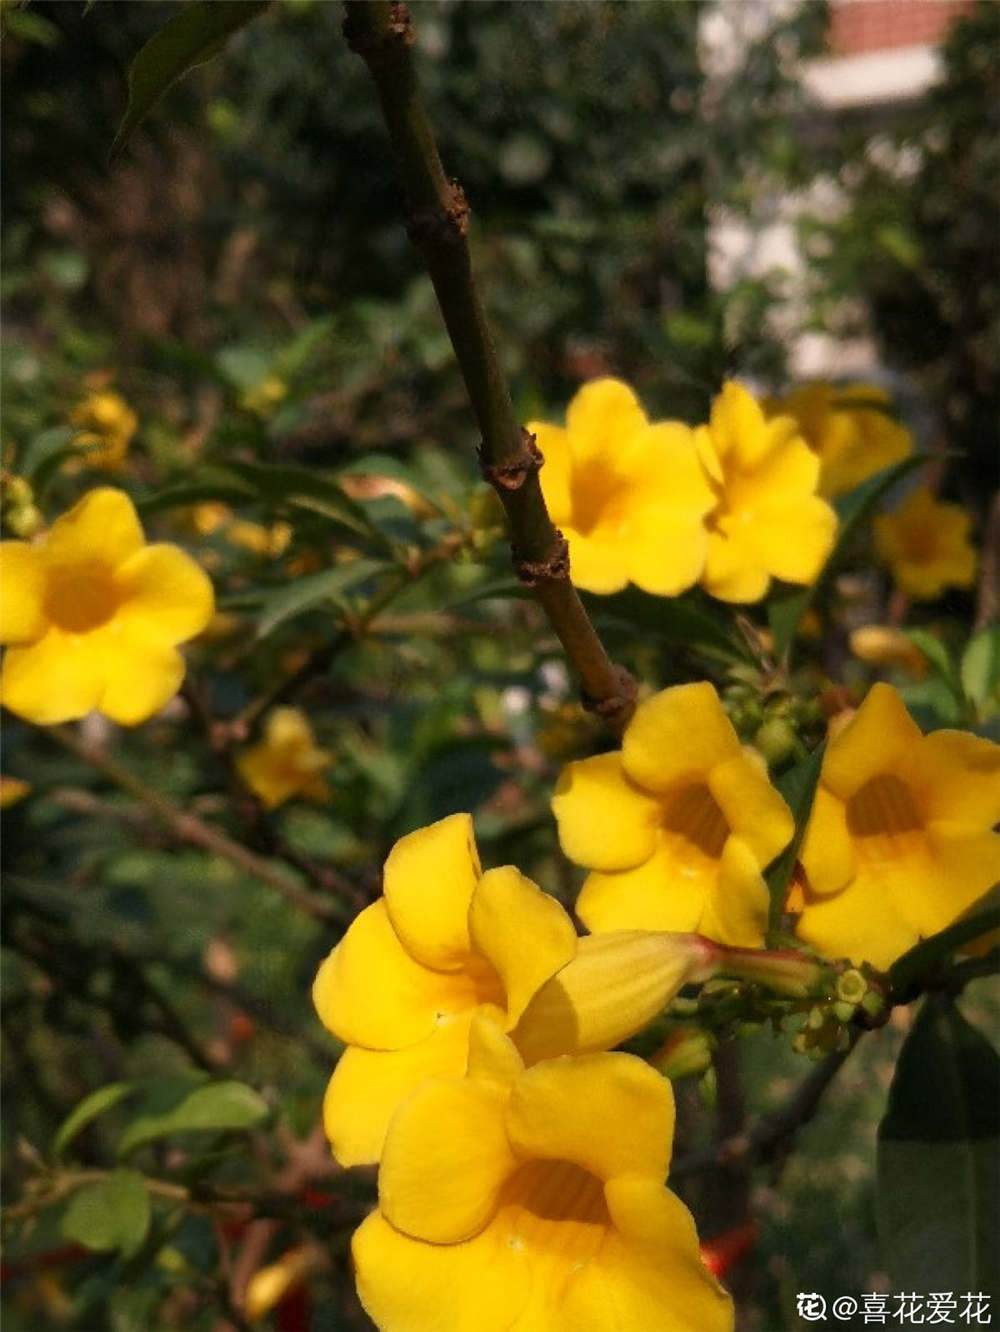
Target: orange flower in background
[(767, 520), (94, 615), (677, 827), (926, 545), (627, 493), (849, 428), (900, 841), (107, 424), (287, 762)]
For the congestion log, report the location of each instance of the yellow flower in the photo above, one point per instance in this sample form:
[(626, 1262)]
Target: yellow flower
[(107, 425), (767, 521), (852, 440), (447, 941), (287, 762), (926, 546), (256, 538), (95, 615), (900, 839), (677, 826), (885, 645), (628, 494), (533, 1200)]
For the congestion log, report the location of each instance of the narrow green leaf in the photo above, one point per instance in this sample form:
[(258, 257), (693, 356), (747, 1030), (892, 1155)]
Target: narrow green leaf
[(938, 656), (785, 609), (980, 670), (196, 34), (307, 489), (113, 1213), (305, 593), (53, 443), (938, 1162), (212, 1105), (926, 956), (798, 786), (89, 1108), (678, 620), (214, 484)]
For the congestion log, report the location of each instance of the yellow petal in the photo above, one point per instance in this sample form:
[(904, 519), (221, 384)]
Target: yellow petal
[(22, 593), (140, 674), (267, 775), (524, 933), (368, 1086), (678, 732), (962, 866), (732, 569), (165, 592), (617, 984), (666, 549), (370, 992), (605, 821), (656, 895), (753, 808), (564, 1110), (739, 431), (736, 906), (57, 679), (827, 849), (406, 1285), (102, 526), (429, 879), (792, 539), (663, 459), (879, 738), (861, 923), (493, 1056), (555, 476), (649, 1274), (601, 418), (957, 776), (597, 563), (445, 1160)]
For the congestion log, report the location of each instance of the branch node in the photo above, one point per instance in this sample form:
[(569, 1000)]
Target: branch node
[(615, 710), (513, 474), (553, 569), (447, 224), (371, 45)]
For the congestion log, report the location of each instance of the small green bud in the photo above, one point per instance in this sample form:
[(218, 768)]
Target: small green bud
[(851, 986), (843, 1012)]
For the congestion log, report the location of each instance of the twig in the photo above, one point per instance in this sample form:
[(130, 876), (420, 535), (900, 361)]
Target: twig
[(381, 32), (988, 591), (188, 828)]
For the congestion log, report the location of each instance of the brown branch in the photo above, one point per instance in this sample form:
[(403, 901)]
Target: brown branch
[(381, 32)]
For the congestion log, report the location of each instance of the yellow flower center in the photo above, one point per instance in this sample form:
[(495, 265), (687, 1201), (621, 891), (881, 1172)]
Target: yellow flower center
[(557, 1211), (694, 827), (597, 496), (80, 598), (884, 820)]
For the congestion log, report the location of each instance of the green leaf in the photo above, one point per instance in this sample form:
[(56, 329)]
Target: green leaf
[(306, 489), (46, 449), (212, 484), (89, 1108), (925, 957), (798, 786), (112, 1213), (980, 670), (938, 1162), (294, 598), (938, 656), (785, 609), (194, 35), (675, 620), (215, 1106)]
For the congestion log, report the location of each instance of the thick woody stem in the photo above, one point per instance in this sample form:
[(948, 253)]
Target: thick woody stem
[(381, 32)]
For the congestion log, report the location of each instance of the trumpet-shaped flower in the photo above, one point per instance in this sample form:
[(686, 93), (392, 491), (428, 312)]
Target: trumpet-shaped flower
[(287, 762), (767, 520), (534, 1201), (447, 941), (926, 546), (94, 615), (107, 424), (627, 493), (677, 827), (900, 841), (848, 428)]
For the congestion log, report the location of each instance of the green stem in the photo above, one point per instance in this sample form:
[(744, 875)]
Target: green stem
[(785, 971), (381, 32)]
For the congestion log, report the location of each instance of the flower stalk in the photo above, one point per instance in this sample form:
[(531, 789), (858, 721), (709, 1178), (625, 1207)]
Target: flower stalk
[(381, 32)]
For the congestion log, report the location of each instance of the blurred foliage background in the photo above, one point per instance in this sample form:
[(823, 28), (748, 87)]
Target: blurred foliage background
[(242, 280)]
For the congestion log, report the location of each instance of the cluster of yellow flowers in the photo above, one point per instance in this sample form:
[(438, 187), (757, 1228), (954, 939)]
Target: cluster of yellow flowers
[(479, 1070), (106, 425), (731, 503)]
